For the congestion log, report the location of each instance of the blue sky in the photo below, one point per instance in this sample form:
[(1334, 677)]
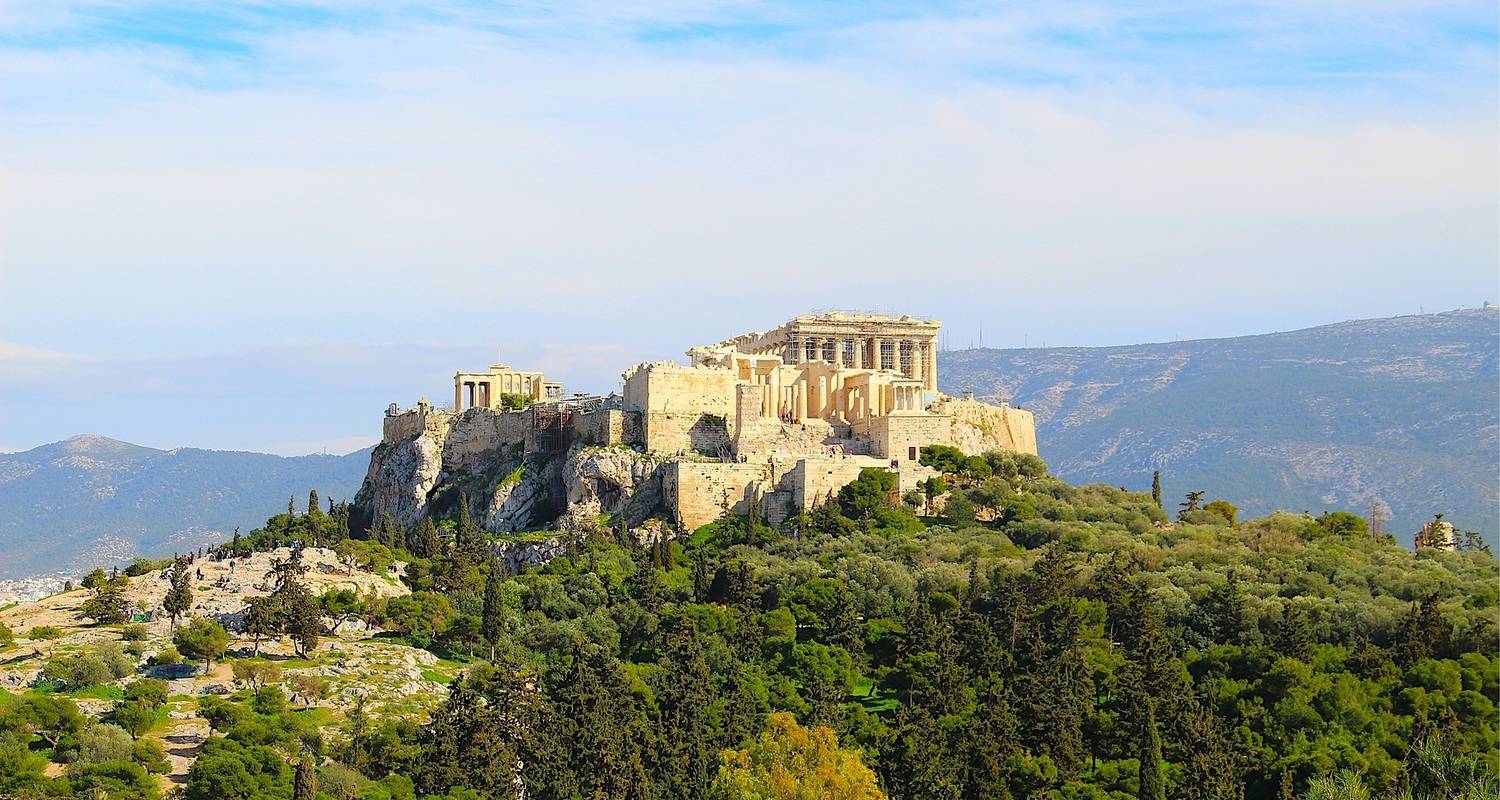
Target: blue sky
[(254, 224)]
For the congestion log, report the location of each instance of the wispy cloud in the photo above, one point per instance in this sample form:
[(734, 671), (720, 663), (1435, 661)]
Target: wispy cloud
[(182, 180)]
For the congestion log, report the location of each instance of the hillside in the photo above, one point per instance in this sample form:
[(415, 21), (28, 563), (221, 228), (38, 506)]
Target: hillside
[(1404, 409), (93, 500), (1024, 638)]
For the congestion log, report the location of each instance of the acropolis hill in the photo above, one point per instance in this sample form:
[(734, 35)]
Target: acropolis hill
[(774, 421)]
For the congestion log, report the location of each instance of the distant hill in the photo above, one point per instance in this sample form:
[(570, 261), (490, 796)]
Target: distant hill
[(93, 500), (1405, 409)]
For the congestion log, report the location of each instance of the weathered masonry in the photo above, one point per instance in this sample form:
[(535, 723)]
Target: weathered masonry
[(778, 420), (487, 389)]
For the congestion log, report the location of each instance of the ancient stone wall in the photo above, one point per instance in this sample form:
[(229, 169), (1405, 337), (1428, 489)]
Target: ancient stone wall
[(665, 432), (696, 491), (480, 435), (413, 423), (599, 428), (814, 480)]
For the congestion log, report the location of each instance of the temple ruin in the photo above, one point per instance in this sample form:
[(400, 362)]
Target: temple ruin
[(774, 421)]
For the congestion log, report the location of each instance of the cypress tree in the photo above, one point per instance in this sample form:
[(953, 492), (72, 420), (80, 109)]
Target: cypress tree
[(314, 507), (1153, 786), (644, 584), (491, 619), (1156, 487), (291, 506), (703, 575), (468, 539), (305, 783), (423, 540), (687, 756)]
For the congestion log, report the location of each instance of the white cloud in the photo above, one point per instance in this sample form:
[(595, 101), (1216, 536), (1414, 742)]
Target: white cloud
[(554, 176)]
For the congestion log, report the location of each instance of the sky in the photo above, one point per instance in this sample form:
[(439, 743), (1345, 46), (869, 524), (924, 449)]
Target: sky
[(252, 225)]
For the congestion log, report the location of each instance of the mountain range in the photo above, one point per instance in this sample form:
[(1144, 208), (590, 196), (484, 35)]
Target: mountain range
[(92, 500), (1405, 410)]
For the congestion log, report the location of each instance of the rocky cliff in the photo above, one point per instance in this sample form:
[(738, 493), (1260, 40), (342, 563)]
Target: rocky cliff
[(434, 463)]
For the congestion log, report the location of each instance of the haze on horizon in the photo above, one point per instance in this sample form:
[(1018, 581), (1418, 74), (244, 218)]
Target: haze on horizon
[(247, 227)]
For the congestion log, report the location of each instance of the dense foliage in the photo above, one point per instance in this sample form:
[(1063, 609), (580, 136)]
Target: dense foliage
[(998, 633)]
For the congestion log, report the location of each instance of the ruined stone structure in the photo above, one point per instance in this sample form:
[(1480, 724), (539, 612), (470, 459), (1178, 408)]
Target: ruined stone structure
[(776, 421), (486, 389)]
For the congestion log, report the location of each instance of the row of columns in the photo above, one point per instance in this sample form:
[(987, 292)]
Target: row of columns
[(914, 358), (482, 394)]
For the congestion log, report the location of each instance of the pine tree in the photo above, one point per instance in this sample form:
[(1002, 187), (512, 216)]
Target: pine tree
[(492, 617), (234, 544), (179, 598), (1193, 502), (1156, 487), (305, 782), (1152, 783)]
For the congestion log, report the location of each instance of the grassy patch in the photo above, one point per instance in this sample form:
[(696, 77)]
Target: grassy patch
[(98, 693), (437, 677)]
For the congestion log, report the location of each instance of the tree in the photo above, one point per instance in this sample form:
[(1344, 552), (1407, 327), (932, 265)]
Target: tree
[(492, 616), (305, 782), (1152, 783), (179, 598), (1191, 504), (931, 488), (307, 687), (789, 762), (94, 579), (1223, 508), (686, 702), (260, 620), (423, 540), (135, 717), (644, 584), (49, 717), (468, 539), (108, 605), (202, 639), (255, 674), (1156, 487)]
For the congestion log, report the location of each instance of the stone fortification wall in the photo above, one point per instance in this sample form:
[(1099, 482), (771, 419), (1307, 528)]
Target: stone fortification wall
[(814, 480), (675, 389), (414, 422), (599, 428), (695, 492), (682, 409), (479, 436)]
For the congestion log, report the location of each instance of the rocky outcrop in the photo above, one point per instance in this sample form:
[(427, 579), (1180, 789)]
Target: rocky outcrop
[(612, 480), (528, 498), (432, 460), (401, 478)]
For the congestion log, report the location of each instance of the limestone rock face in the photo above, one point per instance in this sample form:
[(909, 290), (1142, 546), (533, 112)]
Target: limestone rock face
[(401, 476), (610, 480), (535, 499)]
